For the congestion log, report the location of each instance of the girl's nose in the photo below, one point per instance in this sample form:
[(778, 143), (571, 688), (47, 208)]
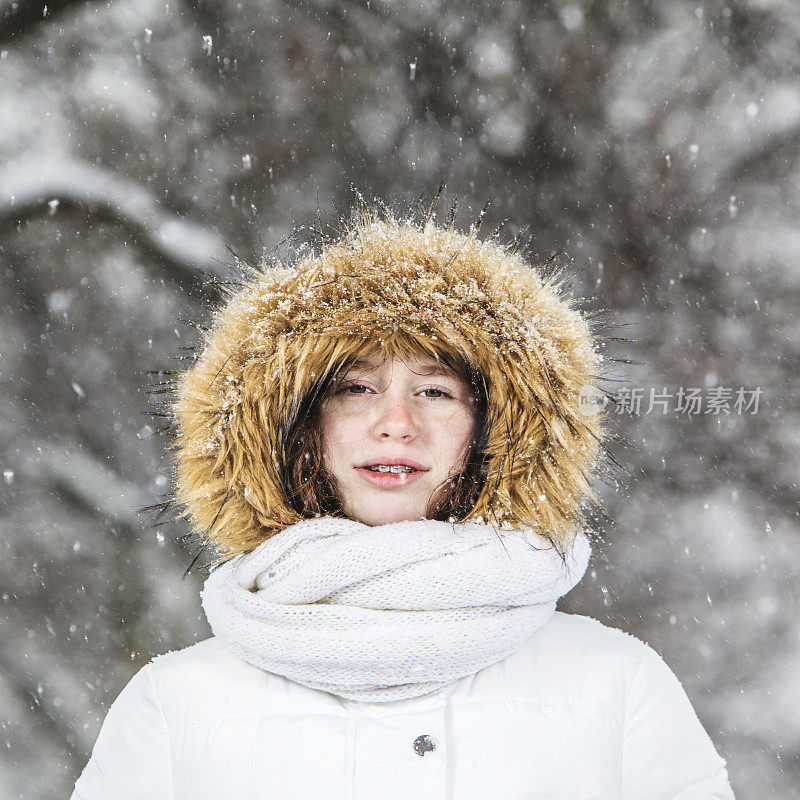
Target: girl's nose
[(394, 419)]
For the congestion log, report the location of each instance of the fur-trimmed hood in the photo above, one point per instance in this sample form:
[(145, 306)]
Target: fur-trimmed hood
[(412, 285)]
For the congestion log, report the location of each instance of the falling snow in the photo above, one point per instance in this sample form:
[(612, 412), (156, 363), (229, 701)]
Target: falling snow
[(147, 152)]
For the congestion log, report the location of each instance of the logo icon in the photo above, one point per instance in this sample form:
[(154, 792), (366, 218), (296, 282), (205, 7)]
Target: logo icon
[(591, 400)]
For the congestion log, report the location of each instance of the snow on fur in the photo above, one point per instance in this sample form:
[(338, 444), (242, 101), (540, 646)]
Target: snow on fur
[(401, 287)]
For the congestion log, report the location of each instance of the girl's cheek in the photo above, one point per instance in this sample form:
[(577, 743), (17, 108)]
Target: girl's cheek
[(459, 422)]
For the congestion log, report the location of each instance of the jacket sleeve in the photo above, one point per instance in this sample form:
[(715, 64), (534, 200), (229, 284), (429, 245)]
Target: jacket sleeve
[(131, 758), (667, 755)]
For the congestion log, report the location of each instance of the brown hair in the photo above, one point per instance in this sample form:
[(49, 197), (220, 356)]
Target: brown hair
[(311, 489)]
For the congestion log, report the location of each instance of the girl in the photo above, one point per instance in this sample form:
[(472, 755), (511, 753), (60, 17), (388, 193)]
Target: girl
[(384, 445)]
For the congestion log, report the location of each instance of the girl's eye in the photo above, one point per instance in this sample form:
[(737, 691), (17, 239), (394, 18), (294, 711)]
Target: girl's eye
[(361, 389), (358, 387)]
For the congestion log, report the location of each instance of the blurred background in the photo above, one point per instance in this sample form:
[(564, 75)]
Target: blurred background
[(654, 144)]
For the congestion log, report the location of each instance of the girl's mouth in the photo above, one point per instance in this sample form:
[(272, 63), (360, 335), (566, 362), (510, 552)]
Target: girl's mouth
[(389, 477)]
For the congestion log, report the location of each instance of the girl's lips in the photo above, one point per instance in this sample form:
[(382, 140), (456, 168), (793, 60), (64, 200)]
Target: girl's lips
[(389, 480)]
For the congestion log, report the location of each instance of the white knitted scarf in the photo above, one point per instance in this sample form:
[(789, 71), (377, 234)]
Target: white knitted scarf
[(387, 612)]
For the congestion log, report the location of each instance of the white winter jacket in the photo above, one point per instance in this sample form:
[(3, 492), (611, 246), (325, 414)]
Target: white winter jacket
[(580, 712)]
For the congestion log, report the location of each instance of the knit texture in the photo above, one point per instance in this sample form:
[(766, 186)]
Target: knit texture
[(391, 611)]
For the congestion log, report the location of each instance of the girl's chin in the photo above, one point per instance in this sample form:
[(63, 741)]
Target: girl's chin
[(381, 513), (374, 506)]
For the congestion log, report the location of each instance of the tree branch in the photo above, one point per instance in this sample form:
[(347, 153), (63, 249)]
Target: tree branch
[(30, 186)]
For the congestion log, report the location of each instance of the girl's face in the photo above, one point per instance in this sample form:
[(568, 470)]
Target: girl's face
[(408, 415)]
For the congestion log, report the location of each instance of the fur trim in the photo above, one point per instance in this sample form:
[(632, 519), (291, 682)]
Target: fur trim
[(413, 288)]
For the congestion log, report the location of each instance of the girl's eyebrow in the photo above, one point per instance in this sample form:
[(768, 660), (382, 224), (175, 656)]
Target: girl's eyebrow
[(360, 364), (435, 369)]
